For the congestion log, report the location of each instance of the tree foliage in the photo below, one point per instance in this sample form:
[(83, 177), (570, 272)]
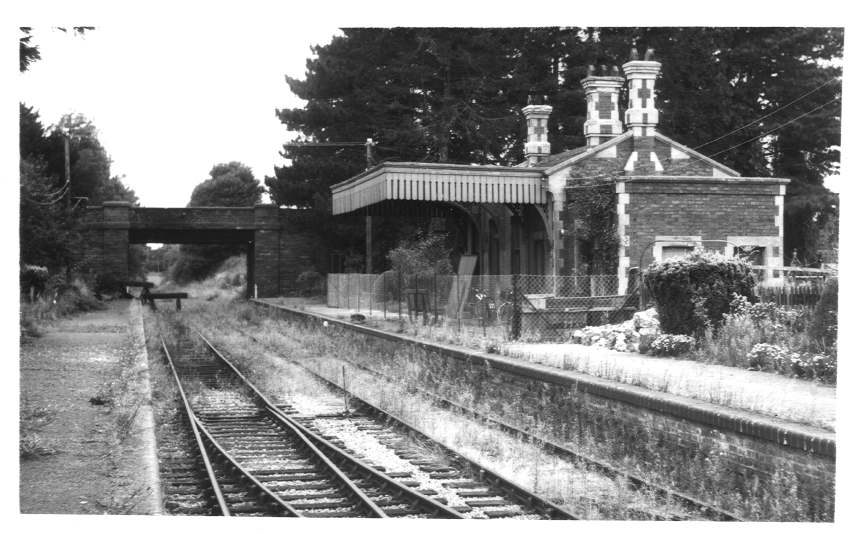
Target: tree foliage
[(29, 52), (764, 101), (230, 184), (594, 213), (50, 208)]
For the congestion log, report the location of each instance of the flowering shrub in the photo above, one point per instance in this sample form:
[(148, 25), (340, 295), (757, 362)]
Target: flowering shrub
[(812, 366), (765, 356), (672, 344), (622, 336), (819, 366)]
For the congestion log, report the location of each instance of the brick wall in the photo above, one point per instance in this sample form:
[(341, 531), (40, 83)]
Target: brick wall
[(713, 209), (712, 453)]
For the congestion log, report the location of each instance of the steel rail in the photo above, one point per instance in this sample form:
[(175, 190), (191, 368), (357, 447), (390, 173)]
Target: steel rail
[(210, 472), (202, 434), (515, 491), (432, 507), (300, 433), (365, 503)]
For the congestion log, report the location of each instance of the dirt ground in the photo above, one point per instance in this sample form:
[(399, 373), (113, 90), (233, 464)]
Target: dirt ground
[(85, 419)]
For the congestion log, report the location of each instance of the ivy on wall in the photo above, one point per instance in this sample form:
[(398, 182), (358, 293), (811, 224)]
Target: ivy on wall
[(593, 211)]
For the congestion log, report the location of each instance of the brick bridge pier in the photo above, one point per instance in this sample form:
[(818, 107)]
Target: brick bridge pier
[(279, 242)]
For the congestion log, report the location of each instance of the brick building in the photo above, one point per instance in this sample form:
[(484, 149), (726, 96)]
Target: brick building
[(668, 197)]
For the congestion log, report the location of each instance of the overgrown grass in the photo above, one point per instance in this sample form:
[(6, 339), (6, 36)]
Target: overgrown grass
[(73, 299), (33, 417), (228, 282)]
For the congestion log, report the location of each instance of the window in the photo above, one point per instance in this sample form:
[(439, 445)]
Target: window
[(754, 254), (675, 251)]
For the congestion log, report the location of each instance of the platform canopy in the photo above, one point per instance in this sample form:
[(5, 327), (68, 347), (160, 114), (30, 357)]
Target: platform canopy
[(439, 182)]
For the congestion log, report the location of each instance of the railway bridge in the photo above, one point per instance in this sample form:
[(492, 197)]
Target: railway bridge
[(278, 240)]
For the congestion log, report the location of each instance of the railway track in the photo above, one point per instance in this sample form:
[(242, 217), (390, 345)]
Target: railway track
[(470, 489), (692, 505), (292, 458), (278, 465)]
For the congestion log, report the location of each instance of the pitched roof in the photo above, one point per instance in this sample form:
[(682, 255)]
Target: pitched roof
[(554, 159)]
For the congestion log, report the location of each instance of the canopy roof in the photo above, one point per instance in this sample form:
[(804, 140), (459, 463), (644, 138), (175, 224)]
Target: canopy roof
[(439, 182)]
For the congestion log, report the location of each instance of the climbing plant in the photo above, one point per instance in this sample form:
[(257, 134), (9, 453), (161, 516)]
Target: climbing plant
[(594, 214)]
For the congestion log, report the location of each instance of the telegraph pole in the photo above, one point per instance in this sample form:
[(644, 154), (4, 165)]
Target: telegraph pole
[(67, 137), (369, 144)]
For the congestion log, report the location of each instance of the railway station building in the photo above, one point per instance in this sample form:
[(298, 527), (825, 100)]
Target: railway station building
[(668, 198)]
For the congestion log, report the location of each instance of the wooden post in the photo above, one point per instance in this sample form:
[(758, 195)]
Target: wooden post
[(368, 244), (68, 167)]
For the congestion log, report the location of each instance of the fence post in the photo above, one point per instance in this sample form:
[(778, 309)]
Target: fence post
[(516, 317), (435, 301), (400, 291), (458, 303), (385, 295), (359, 284), (416, 297)]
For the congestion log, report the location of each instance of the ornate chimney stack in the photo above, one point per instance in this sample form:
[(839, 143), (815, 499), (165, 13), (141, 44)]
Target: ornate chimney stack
[(537, 146), (602, 90), (641, 115)]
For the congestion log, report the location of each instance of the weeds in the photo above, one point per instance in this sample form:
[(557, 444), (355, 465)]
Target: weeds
[(34, 417)]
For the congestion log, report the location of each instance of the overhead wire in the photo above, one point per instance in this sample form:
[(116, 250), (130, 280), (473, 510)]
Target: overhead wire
[(759, 119)]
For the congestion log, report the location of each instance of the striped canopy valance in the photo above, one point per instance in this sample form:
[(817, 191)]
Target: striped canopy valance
[(439, 183)]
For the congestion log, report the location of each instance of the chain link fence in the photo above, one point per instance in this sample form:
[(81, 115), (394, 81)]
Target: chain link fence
[(534, 307)]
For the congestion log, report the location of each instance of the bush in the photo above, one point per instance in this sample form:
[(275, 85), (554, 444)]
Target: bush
[(108, 284), (823, 326), (33, 277), (672, 344), (310, 283), (766, 356), (425, 256), (695, 292)]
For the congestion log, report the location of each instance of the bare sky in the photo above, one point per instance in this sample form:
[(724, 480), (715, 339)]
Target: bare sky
[(171, 102)]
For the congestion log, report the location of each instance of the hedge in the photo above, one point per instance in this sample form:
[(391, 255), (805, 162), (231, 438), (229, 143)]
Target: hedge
[(695, 291)]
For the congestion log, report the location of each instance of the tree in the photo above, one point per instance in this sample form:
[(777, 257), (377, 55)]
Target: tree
[(49, 230), (230, 184), (29, 52)]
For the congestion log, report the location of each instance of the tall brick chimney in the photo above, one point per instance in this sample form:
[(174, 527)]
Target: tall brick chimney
[(602, 90), (641, 116), (537, 146)]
